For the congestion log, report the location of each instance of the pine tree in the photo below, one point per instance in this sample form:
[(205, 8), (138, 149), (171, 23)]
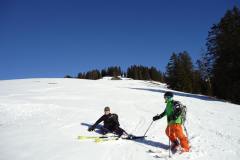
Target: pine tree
[(114, 71), (204, 69), (179, 72), (171, 72), (68, 76), (155, 75), (93, 74), (185, 72), (223, 49), (103, 73)]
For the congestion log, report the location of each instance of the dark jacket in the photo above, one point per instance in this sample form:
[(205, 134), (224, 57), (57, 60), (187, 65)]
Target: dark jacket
[(110, 121)]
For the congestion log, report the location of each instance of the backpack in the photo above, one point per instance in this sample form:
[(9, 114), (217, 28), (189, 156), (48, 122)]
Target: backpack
[(179, 110)]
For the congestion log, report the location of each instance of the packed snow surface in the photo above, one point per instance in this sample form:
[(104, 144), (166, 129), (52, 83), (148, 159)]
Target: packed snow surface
[(40, 119)]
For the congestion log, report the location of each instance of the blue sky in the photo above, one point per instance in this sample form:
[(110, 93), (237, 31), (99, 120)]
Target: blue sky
[(52, 38)]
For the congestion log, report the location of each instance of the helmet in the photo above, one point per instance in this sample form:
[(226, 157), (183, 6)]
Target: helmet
[(107, 109), (168, 95)]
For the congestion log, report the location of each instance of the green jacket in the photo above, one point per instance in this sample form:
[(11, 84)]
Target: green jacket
[(169, 112)]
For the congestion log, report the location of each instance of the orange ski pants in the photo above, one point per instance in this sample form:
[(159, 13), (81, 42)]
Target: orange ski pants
[(175, 132)]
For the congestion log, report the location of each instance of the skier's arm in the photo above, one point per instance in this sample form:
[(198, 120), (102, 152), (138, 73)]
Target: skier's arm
[(96, 123), (159, 116), (115, 119)]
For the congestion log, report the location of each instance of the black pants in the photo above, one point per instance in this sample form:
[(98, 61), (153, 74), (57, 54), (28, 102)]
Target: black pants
[(117, 130)]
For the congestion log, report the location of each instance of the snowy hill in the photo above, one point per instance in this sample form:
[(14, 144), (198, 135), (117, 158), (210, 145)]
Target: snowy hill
[(40, 119)]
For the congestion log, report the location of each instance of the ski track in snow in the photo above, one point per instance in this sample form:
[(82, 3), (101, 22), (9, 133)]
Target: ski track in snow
[(41, 118)]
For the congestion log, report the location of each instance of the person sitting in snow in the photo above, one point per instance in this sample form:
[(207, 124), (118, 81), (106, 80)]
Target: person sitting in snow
[(174, 129), (110, 124)]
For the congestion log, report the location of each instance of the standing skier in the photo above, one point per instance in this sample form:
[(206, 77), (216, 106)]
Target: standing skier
[(174, 129), (110, 123)]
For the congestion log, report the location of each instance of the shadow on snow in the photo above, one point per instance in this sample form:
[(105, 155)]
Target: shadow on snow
[(202, 97), (141, 141)]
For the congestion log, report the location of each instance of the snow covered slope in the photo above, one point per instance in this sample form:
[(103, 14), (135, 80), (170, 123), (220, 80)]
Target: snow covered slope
[(40, 119)]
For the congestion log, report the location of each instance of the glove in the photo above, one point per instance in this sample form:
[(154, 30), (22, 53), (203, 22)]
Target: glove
[(90, 128), (156, 117)]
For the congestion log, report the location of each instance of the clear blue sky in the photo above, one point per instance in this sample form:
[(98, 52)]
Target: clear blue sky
[(46, 38)]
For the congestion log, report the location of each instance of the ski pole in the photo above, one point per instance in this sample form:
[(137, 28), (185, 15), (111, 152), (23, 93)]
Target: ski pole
[(148, 129), (185, 129)]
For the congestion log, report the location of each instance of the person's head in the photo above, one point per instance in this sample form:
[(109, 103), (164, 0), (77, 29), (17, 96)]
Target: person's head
[(107, 110), (168, 96)]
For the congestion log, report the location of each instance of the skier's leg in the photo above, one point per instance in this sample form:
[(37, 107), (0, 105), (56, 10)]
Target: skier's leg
[(182, 138), (123, 131), (104, 130), (119, 131), (170, 133)]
